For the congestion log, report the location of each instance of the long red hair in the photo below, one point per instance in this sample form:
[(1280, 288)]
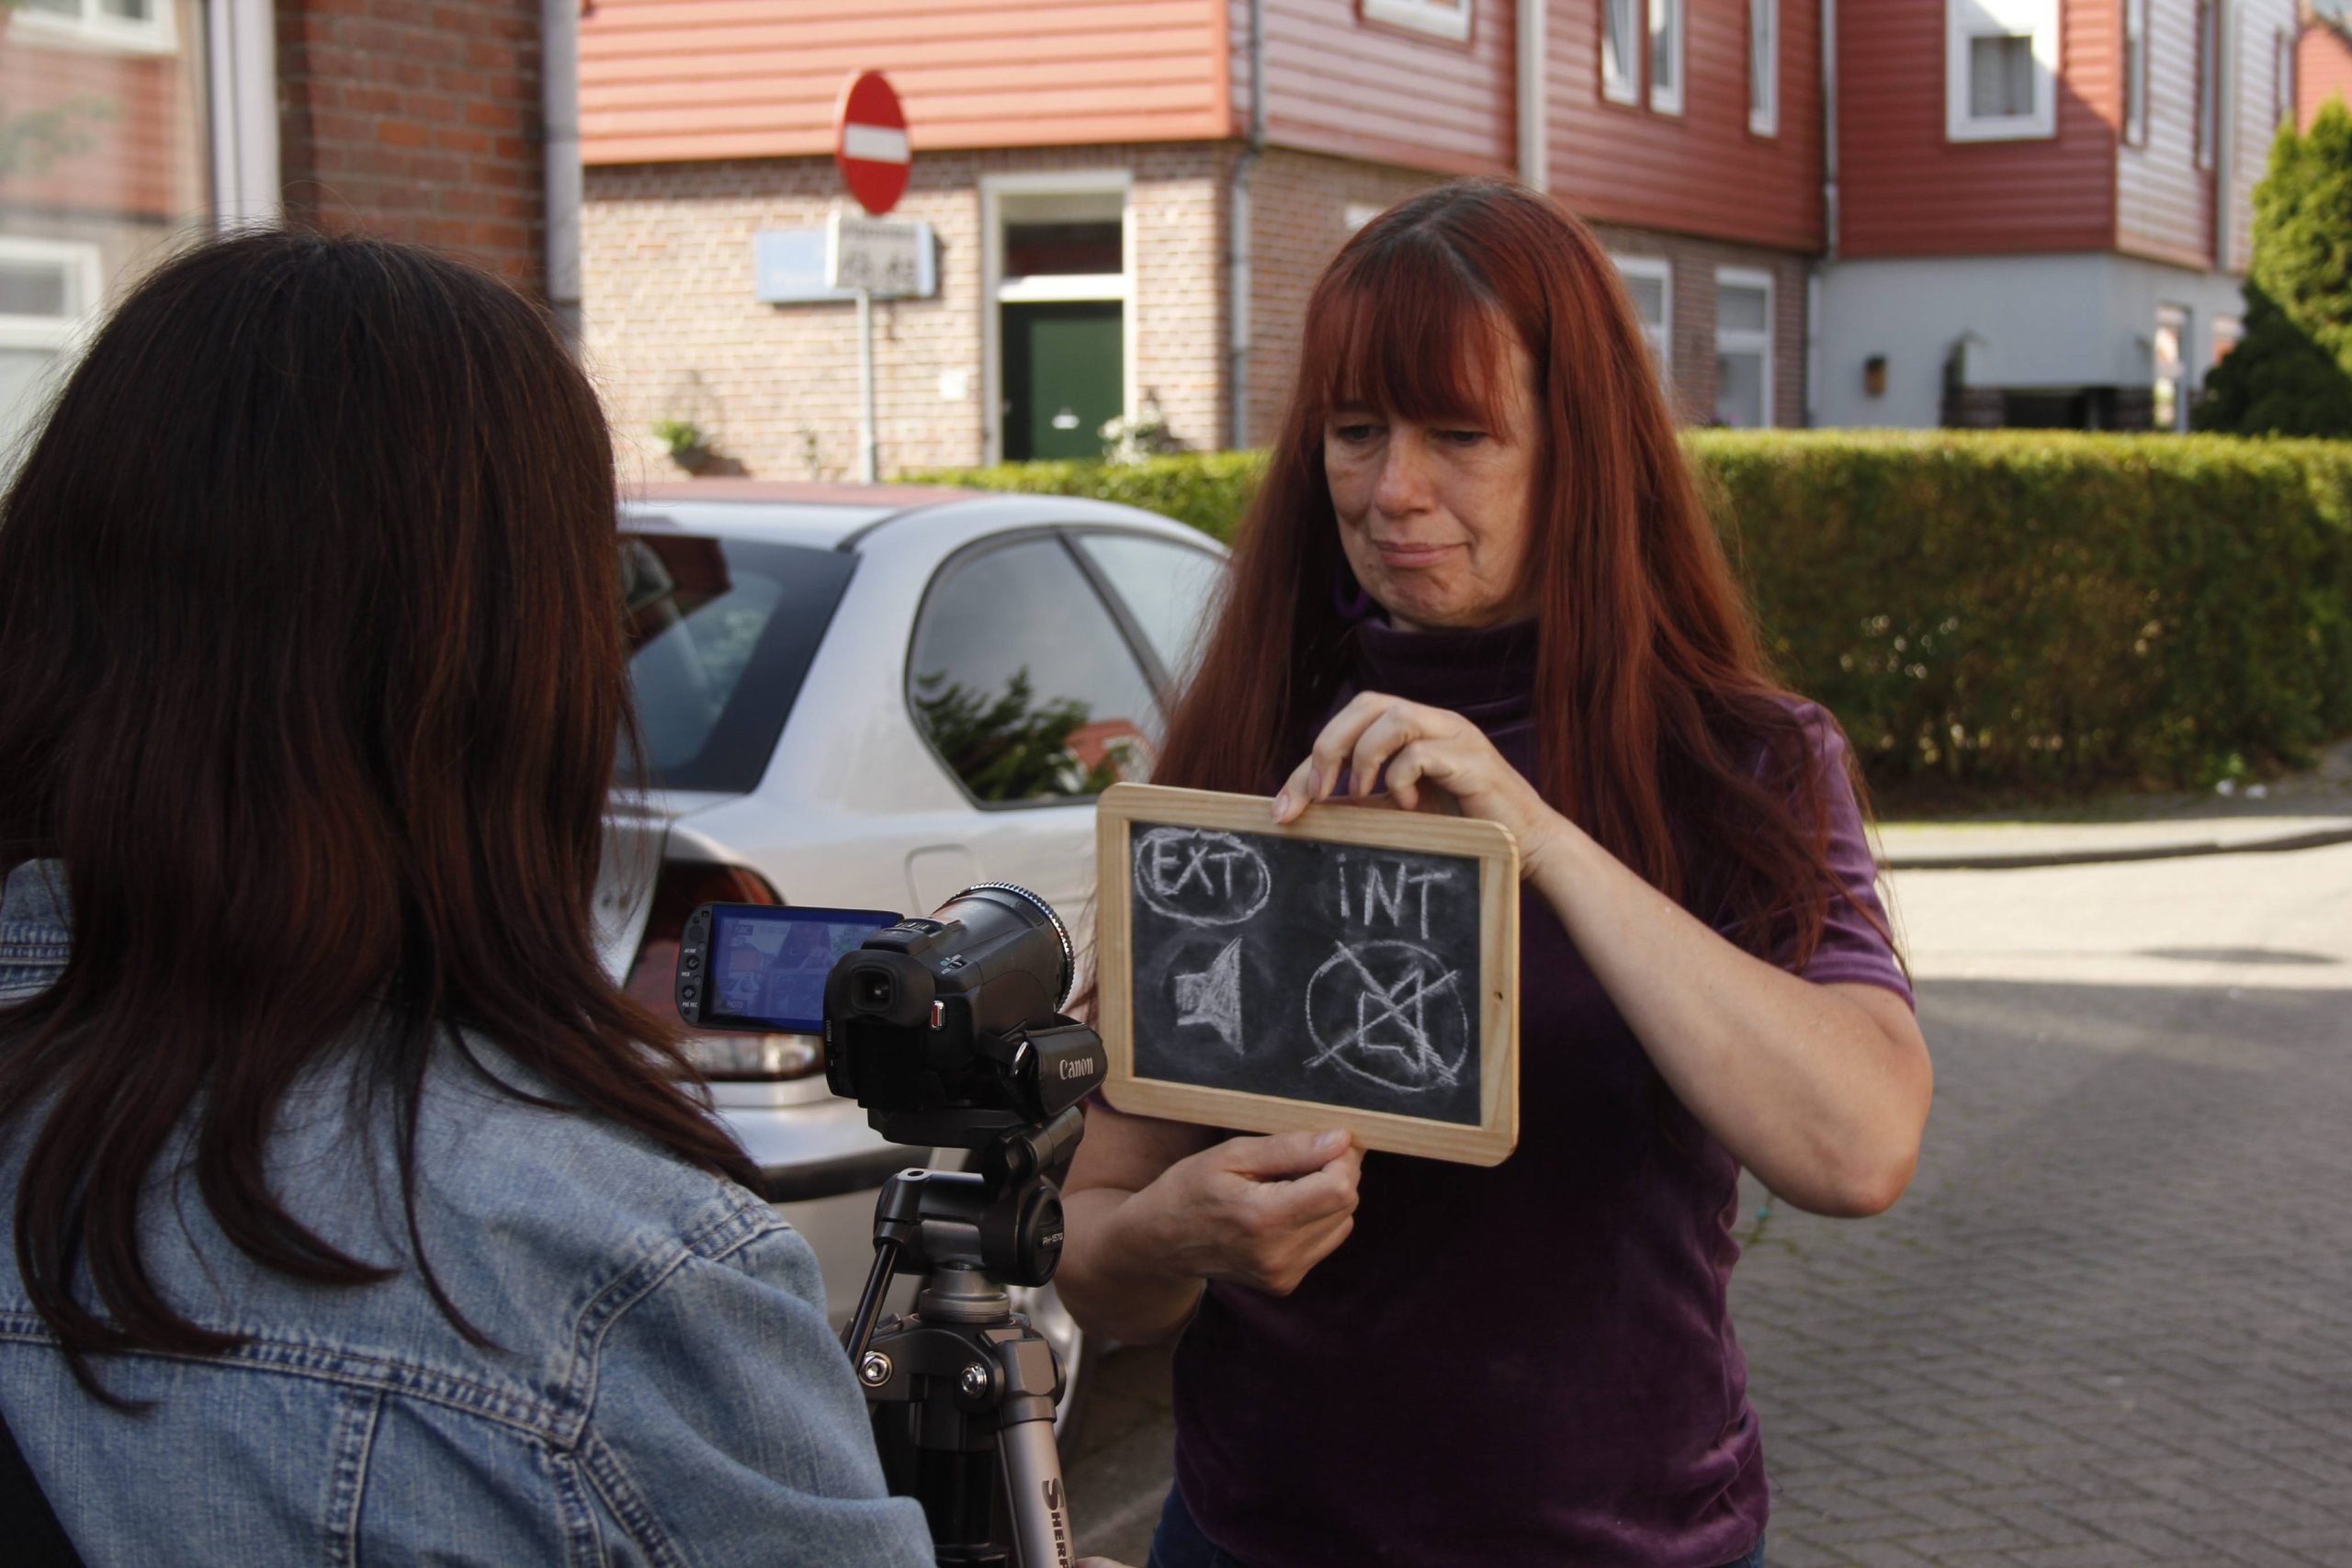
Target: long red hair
[(1660, 730)]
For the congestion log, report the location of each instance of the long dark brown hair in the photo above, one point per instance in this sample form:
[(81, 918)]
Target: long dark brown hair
[(311, 674), (1660, 729)]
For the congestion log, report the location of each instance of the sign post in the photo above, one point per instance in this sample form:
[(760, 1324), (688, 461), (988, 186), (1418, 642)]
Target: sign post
[(875, 154)]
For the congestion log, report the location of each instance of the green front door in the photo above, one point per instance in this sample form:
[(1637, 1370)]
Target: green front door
[(1064, 376)]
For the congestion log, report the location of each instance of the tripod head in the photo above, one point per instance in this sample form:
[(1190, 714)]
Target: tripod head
[(1002, 1222)]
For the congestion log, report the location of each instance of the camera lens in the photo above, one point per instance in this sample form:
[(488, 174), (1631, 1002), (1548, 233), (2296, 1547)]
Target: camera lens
[(872, 990)]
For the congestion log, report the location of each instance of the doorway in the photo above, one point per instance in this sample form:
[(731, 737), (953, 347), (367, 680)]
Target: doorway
[(1059, 265), (1065, 377)]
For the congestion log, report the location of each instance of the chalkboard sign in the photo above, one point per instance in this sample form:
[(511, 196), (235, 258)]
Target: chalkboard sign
[(1358, 968)]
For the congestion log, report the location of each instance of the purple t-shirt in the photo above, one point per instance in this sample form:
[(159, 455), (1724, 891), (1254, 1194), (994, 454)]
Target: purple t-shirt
[(1531, 1364)]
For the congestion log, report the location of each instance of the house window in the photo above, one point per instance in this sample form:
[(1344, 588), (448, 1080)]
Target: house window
[(2282, 78), (1764, 67), (1743, 348), (1666, 56), (2209, 82), (1649, 281), (134, 26), (2228, 331), (2171, 347), (1621, 51), (1060, 329), (2135, 71), (49, 292), (2001, 70), (1442, 19)]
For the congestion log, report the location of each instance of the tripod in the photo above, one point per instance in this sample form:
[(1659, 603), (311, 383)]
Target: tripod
[(962, 1390)]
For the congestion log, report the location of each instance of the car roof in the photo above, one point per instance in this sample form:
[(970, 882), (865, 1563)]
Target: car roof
[(827, 516), (805, 513)]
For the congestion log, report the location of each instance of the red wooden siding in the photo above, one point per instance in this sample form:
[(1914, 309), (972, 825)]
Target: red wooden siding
[(1905, 190), (132, 122), (1337, 83), (2322, 70), (665, 79), (1700, 172)]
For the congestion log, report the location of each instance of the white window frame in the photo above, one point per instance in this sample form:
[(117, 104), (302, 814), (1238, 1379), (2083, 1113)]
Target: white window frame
[(2209, 82), (1661, 339), (2282, 77), (2184, 321), (1624, 85), (1666, 38), (78, 262), (1764, 67), (1966, 20), (1434, 17), (997, 290), (2222, 335), (2135, 72), (1742, 340), (92, 29), (241, 81), (61, 334)]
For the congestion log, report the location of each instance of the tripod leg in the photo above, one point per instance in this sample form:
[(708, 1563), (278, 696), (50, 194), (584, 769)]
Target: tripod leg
[(1033, 1483), (1026, 1456)]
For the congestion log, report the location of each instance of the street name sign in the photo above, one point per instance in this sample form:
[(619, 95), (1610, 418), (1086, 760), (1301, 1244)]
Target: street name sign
[(878, 254)]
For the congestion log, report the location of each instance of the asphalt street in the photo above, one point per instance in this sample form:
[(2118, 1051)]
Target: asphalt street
[(2112, 1322)]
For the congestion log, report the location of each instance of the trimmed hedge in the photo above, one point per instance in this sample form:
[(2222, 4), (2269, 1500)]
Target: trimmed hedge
[(1208, 490), (2007, 610)]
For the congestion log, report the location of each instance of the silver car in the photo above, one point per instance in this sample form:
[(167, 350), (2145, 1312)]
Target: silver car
[(874, 698)]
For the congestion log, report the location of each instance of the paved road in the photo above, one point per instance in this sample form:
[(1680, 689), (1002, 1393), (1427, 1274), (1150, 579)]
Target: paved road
[(2111, 1323)]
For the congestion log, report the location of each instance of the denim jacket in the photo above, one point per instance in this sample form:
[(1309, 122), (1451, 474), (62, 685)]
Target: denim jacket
[(663, 1388)]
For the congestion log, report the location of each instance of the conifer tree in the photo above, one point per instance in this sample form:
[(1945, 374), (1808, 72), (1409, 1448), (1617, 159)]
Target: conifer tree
[(2291, 373)]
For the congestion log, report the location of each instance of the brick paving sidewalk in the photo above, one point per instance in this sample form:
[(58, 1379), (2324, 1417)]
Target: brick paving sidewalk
[(2110, 1324)]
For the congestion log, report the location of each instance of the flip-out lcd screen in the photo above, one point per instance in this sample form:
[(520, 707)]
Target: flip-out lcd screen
[(768, 964)]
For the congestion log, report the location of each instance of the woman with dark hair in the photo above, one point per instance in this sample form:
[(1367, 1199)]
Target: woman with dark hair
[(355, 1216), (1479, 578)]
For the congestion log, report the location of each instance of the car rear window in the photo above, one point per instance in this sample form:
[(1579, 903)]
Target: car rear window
[(721, 634)]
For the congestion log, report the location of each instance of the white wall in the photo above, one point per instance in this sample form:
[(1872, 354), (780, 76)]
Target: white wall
[(2044, 321)]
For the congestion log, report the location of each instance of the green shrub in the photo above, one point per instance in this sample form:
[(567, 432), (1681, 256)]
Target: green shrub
[(2291, 373), (2000, 611), (1208, 490)]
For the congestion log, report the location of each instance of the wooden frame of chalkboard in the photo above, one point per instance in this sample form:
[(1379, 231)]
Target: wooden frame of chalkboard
[(1358, 968)]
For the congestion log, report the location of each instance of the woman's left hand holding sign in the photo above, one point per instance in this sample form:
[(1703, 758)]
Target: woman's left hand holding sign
[(1425, 758)]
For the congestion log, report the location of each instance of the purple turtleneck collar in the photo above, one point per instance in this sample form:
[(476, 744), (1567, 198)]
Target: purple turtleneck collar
[(1487, 675)]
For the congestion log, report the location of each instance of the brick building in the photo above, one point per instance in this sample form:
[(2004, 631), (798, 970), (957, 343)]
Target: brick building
[(1907, 212), (417, 119), (1131, 200), (128, 126)]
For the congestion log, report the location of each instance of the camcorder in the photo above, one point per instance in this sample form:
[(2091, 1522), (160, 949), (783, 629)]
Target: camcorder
[(946, 1028)]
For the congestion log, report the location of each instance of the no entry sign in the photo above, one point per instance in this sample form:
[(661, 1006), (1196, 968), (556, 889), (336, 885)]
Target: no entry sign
[(870, 143)]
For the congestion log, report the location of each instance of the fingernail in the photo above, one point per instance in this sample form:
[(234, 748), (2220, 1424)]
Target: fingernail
[(1330, 1143), (1282, 806)]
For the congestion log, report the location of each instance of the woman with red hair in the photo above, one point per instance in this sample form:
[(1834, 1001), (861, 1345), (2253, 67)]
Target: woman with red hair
[(1480, 578)]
